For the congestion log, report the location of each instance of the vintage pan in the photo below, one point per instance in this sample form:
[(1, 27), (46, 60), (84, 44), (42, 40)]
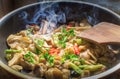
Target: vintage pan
[(73, 10)]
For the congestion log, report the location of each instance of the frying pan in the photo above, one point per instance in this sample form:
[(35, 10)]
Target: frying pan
[(71, 10)]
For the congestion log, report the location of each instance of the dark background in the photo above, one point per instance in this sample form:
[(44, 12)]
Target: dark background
[(9, 5)]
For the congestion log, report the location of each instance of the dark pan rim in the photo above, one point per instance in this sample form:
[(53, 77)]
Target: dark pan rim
[(103, 74)]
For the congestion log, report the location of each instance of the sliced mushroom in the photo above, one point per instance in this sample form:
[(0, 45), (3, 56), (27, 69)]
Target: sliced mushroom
[(66, 73), (89, 53), (47, 37), (11, 40), (83, 47), (57, 63), (14, 41), (54, 73), (40, 70), (26, 65), (66, 64), (85, 23), (46, 45), (61, 52), (32, 48), (58, 29), (85, 55), (15, 59), (86, 73), (17, 67), (23, 33)]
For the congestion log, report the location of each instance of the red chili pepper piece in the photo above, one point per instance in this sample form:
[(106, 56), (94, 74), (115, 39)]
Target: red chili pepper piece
[(53, 51), (76, 49), (33, 24), (69, 26)]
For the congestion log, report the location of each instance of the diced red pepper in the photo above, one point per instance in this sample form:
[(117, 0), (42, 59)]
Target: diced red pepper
[(53, 51), (76, 49), (69, 26), (33, 24)]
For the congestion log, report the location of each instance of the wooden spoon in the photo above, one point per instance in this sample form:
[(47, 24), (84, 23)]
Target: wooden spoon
[(103, 33)]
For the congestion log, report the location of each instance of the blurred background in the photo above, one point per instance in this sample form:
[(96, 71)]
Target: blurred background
[(7, 6)]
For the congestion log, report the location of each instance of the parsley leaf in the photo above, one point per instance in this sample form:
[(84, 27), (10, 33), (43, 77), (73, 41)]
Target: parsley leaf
[(60, 39), (71, 32), (29, 57), (38, 51), (42, 58), (63, 59), (46, 55), (39, 42), (63, 30), (49, 58), (62, 44)]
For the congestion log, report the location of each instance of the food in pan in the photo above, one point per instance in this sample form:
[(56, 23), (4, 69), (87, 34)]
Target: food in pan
[(60, 54)]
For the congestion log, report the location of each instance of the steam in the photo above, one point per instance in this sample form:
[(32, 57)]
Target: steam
[(92, 18), (45, 12), (49, 15)]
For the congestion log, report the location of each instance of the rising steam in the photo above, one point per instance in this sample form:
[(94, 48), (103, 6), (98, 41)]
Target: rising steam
[(49, 15)]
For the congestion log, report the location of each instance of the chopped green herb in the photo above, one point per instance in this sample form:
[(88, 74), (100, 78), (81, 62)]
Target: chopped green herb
[(63, 59), (29, 57), (46, 55), (65, 35), (72, 57), (38, 51), (41, 58), (39, 45), (12, 51), (60, 39), (32, 60), (62, 44), (64, 31), (71, 32), (51, 60), (64, 39), (39, 42), (47, 49)]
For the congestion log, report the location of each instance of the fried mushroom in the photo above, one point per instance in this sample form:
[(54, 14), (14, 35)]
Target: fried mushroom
[(40, 70), (54, 73), (26, 65), (15, 59)]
